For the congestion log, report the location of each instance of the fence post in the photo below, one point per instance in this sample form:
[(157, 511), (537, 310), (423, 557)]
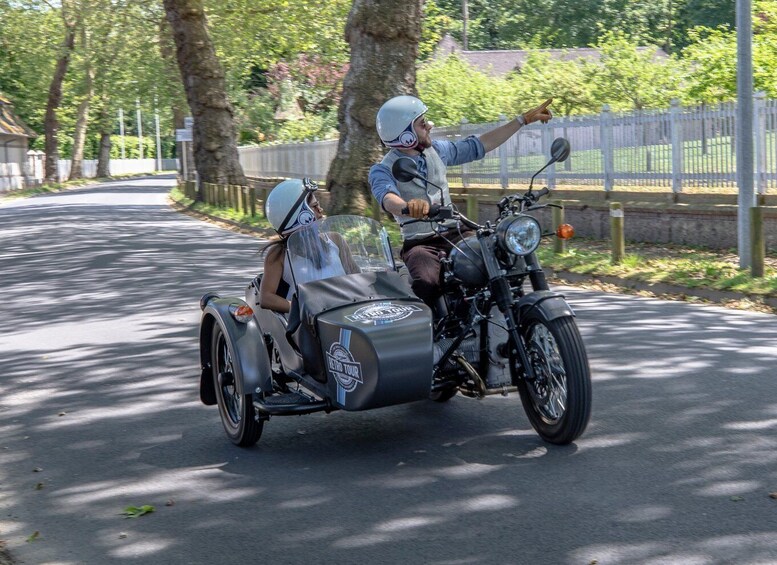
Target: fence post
[(472, 207), (605, 137), (559, 245), (547, 141), (757, 242), (759, 125), (465, 166), (252, 200), (504, 180), (618, 241), (677, 146)]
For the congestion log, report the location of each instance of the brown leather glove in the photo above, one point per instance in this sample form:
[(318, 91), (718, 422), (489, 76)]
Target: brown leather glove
[(540, 113), (417, 208)]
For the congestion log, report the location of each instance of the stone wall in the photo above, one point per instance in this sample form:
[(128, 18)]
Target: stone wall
[(696, 224)]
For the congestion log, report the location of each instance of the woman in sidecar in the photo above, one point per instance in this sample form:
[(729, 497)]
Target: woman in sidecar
[(329, 325)]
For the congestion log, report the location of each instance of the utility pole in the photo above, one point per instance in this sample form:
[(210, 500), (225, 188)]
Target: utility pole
[(158, 139), (744, 130), (121, 131), (140, 129)]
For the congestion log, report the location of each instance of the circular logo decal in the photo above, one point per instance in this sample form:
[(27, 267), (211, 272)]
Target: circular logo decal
[(407, 139), (343, 368), (306, 217)]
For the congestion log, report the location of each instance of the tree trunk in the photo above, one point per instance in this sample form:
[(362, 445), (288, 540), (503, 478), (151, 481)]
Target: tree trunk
[(178, 105), (383, 35), (104, 156), (82, 121), (215, 145), (51, 123)]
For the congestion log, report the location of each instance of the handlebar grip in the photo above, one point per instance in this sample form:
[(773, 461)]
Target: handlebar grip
[(543, 192), (434, 209), (405, 211)]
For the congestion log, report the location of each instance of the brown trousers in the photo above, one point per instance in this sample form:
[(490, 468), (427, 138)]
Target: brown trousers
[(422, 259)]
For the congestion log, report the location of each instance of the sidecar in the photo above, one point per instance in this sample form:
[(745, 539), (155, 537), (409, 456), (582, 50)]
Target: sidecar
[(356, 337)]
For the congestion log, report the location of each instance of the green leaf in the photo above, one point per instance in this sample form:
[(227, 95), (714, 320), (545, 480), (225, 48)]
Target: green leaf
[(135, 511), (35, 536)]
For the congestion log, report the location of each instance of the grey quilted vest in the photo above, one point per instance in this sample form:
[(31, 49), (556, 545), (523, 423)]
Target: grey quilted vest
[(435, 172)]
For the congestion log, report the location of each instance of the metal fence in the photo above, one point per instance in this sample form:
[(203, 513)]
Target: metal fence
[(675, 148)]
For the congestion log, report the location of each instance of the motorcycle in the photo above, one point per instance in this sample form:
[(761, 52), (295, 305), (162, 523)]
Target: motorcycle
[(357, 338)]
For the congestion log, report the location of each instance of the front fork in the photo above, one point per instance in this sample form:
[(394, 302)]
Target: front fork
[(503, 297)]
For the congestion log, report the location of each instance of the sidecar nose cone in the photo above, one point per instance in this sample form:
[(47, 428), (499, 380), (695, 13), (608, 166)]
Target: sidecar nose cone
[(207, 297)]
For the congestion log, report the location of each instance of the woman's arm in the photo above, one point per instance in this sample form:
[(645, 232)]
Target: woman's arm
[(273, 272)]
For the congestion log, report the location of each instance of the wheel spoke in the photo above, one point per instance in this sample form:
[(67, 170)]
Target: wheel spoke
[(550, 368)]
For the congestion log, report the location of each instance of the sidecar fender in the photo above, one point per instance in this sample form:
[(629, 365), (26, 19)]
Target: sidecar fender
[(549, 305), (246, 345)]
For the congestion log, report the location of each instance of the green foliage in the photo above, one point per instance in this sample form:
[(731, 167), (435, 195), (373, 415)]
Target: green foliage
[(454, 90), (566, 82), (628, 78), (435, 25)]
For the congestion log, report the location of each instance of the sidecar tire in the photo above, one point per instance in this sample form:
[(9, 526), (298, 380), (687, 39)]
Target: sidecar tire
[(235, 408), (443, 395), (571, 386)]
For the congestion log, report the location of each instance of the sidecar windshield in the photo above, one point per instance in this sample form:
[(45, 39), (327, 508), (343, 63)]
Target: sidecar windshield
[(339, 245)]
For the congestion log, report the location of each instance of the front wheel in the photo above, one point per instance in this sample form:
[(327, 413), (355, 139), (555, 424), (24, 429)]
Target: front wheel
[(558, 401), (235, 408)]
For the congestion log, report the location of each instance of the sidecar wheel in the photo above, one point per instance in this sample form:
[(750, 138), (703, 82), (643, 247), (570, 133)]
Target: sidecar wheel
[(443, 395), (558, 404), (235, 408)]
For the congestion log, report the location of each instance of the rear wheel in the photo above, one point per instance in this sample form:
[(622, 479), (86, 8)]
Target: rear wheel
[(235, 407), (558, 401)]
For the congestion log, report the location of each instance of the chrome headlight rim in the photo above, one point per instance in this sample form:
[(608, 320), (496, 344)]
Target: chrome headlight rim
[(507, 227)]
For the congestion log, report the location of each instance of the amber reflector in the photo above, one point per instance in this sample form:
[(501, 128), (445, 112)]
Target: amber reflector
[(244, 311), (565, 231)]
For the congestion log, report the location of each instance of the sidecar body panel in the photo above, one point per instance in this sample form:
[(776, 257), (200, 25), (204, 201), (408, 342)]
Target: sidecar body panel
[(373, 338), (249, 354)]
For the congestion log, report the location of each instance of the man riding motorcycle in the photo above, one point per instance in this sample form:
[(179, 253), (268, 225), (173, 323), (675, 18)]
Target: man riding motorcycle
[(402, 126)]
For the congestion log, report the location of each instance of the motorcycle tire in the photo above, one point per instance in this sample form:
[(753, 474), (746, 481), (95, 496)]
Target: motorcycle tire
[(235, 407), (559, 405)]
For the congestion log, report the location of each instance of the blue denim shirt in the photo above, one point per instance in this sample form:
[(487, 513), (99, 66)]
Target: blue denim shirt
[(451, 152)]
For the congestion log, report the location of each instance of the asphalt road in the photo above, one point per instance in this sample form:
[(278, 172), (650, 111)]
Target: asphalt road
[(99, 411)]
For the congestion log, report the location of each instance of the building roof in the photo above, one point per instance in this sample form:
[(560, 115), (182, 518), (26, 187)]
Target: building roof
[(500, 62), (10, 123)]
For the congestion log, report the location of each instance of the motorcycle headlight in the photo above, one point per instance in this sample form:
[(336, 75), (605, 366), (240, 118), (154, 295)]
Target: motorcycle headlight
[(519, 234)]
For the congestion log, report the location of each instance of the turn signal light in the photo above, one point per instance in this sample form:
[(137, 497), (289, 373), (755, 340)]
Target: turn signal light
[(242, 314), (565, 231)]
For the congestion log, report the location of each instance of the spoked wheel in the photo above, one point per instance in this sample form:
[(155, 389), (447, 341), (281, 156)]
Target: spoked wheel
[(558, 401), (235, 407)]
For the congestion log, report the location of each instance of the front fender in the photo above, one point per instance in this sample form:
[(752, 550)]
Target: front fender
[(246, 345), (548, 304)]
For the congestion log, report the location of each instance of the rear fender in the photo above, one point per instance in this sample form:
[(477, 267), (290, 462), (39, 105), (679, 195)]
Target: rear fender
[(548, 304), (246, 344)]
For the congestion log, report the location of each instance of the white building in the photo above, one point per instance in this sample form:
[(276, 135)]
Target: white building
[(14, 142)]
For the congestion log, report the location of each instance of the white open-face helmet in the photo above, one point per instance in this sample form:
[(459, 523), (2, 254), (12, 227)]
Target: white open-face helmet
[(395, 121), (287, 206)]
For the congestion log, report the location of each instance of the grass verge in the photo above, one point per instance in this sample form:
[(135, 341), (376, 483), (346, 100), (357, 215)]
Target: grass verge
[(258, 221)]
